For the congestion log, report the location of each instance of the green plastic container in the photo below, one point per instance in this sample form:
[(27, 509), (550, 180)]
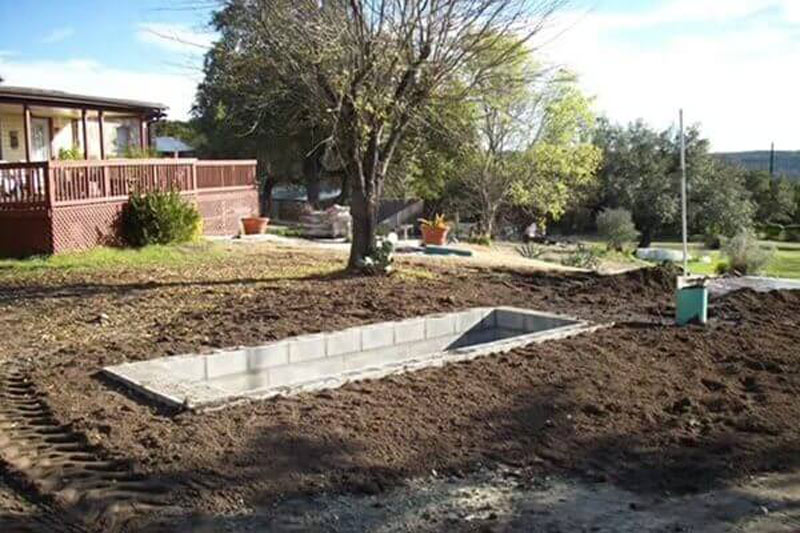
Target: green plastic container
[(692, 305)]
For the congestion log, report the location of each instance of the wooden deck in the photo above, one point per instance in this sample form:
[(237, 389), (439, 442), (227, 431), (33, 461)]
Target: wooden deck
[(54, 206)]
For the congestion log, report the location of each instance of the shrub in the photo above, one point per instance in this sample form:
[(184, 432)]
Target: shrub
[(744, 255), (773, 231), (481, 240), (531, 250), (160, 218), (70, 154), (583, 257), (792, 233), (616, 227), (382, 259)]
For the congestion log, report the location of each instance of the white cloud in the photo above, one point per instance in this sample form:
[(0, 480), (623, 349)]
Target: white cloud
[(89, 77), (740, 84), (59, 34), (175, 37)]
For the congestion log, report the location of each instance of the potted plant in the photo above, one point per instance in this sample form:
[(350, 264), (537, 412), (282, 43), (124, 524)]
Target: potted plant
[(434, 231), (254, 225)]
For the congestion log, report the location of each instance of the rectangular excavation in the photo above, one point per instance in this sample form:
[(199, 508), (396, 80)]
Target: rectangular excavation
[(327, 360)]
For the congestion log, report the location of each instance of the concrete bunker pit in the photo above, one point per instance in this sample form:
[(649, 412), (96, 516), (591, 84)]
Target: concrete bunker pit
[(328, 360)]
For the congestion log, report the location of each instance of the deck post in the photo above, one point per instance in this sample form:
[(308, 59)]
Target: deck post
[(142, 133), (49, 185), (102, 134), (85, 135), (26, 111)]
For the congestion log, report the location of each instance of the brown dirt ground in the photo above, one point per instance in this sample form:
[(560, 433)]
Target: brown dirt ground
[(645, 404)]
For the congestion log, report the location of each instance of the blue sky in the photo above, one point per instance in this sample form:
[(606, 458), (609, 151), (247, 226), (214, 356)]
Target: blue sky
[(732, 64)]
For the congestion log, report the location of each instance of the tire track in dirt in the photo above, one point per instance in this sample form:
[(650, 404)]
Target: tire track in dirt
[(59, 465)]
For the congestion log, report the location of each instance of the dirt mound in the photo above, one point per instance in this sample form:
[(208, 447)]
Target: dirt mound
[(646, 404), (61, 466)]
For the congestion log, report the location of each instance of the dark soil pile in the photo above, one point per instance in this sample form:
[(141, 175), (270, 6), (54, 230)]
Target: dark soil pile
[(645, 404)]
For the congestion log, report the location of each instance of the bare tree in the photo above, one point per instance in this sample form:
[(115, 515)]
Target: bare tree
[(375, 64)]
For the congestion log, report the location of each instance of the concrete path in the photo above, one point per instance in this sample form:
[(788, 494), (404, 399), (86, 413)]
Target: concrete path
[(502, 500), (721, 286)]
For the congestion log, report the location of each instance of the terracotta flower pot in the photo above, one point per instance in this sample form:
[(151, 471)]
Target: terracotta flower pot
[(434, 236), (254, 225)]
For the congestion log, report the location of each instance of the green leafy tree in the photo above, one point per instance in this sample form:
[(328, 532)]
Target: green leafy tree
[(638, 174), (244, 109), (187, 131), (782, 204), (719, 203), (617, 228), (532, 145), (373, 67), (641, 172)]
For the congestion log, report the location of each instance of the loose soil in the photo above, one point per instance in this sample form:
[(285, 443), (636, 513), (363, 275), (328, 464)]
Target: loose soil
[(653, 408)]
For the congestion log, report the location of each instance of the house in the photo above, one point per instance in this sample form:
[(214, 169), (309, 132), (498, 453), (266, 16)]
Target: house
[(41, 125), (173, 147), (68, 164)]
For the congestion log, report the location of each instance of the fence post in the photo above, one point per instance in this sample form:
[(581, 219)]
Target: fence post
[(194, 176)]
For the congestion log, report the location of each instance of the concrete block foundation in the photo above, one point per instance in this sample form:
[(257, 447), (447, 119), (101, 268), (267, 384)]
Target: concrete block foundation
[(326, 360)]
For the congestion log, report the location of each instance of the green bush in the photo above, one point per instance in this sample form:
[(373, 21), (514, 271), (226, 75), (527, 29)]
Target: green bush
[(531, 250), (160, 218), (772, 231), (616, 227), (744, 255), (583, 257), (70, 154), (792, 233)]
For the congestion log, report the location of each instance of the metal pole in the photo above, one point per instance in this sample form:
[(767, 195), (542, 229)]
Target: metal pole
[(683, 201)]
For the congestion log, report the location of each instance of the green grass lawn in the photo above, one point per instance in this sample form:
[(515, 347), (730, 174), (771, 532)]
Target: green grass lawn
[(103, 258), (785, 264)]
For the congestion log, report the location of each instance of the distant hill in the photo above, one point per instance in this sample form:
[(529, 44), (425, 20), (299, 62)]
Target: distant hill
[(786, 163)]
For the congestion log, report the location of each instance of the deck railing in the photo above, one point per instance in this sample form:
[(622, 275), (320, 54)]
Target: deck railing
[(231, 173), (29, 185), (23, 185)]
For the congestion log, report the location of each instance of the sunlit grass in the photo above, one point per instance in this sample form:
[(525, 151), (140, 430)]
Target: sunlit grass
[(104, 258), (785, 264)]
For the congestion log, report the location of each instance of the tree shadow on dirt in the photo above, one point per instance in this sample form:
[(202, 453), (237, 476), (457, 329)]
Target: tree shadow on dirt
[(287, 464), (14, 293)]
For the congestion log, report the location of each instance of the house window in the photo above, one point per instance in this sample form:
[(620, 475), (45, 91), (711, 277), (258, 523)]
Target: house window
[(123, 139), (76, 134), (13, 139)]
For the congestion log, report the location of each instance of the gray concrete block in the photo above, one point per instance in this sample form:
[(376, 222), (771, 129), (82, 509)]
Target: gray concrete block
[(409, 330), (316, 369), (268, 355), (225, 363), (343, 342), (241, 383), (470, 319), (376, 358), (534, 323), (439, 325), (306, 348), (377, 336), (509, 319), (190, 368)]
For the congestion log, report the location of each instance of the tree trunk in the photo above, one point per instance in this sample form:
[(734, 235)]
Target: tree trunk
[(646, 239), (266, 182), (312, 169), (364, 210)]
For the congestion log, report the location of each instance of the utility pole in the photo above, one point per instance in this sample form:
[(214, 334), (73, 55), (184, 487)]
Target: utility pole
[(684, 218), (772, 161)]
